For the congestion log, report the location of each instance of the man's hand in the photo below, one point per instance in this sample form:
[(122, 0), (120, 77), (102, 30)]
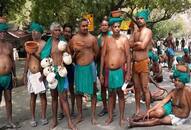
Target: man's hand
[(127, 77), (101, 79), (14, 82), (147, 115)]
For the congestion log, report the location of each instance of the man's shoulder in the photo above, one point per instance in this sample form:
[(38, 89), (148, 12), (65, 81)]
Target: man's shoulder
[(147, 30)]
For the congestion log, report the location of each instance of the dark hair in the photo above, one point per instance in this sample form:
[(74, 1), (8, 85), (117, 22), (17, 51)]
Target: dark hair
[(105, 20), (82, 20), (67, 25)]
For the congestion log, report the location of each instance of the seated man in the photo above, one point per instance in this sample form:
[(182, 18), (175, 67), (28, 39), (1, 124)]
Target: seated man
[(156, 69), (173, 109), (186, 56)]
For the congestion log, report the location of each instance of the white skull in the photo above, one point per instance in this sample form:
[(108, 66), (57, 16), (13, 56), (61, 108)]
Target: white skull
[(50, 61), (67, 58), (62, 45), (45, 62), (53, 85), (62, 71), (47, 70), (51, 77)]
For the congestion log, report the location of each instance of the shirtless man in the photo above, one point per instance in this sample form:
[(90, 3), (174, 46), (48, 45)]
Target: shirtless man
[(32, 67), (169, 51), (186, 57), (67, 34), (101, 38), (115, 53), (7, 70), (157, 69), (173, 109), (141, 38), (51, 50), (84, 48)]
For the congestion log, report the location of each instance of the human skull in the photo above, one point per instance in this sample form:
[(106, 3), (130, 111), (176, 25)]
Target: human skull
[(45, 62), (53, 85), (62, 71), (67, 58), (47, 70), (51, 77), (62, 45)]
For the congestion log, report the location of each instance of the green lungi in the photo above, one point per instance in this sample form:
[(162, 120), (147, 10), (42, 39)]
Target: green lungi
[(116, 79), (5, 81), (168, 108), (83, 79)]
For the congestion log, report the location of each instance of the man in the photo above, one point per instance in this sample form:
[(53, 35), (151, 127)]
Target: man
[(67, 34), (183, 43), (84, 48), (33, 68), (115, 54), (186, 57), (142, 38), (156, 69), (173, 109), (170, 50), (101, 40), (7, 70), (51, 50), (177, 44)]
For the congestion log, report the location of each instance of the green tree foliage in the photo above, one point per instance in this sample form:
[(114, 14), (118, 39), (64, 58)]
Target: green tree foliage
[(47, 11), (162, 28), (11, 7)]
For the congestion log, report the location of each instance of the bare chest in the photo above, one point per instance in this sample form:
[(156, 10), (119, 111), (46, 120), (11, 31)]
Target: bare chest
[(5, 50), (116, 44)]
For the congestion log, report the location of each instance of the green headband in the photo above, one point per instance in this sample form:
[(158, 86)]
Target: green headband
[(143, 14), (178, 59), (182, 76), (114, 20), (3, 27), (155, 58), (185, 50), (36, 27)]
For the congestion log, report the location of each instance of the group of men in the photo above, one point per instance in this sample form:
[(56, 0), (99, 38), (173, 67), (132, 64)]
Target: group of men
[(112, 57)]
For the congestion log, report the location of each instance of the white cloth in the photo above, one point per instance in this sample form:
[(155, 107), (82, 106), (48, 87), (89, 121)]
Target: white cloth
[(34, 85), (176, 120)]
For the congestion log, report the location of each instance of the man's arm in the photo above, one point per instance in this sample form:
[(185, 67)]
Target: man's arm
[(103, 53), (95, 48), (161, 103), (141, 45), (128, 62), (13, 61)]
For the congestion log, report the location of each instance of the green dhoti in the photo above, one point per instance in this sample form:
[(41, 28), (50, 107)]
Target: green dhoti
[(116, 79), (5, 81), (83, 78), (168, 108)]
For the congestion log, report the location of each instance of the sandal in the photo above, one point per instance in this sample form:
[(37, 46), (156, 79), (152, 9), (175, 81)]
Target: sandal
[(33, 123), (44, 122)]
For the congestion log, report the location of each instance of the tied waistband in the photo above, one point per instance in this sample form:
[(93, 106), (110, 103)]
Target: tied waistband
[(147, 59)]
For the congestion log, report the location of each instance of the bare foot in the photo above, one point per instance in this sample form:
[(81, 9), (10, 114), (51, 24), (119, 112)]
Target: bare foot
[(122, 122), (53, 124), (78, 119), (137, 116), (94, 121), (11, 125), (130, 123), (108, 121), (71, 126)]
